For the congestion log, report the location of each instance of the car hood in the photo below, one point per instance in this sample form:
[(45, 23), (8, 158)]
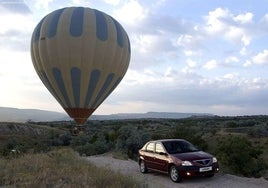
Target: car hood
[(189, 156)]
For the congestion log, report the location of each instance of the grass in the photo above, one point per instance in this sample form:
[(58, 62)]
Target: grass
[(59, 168)]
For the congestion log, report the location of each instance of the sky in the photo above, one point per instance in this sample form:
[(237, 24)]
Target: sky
[(208, 56)]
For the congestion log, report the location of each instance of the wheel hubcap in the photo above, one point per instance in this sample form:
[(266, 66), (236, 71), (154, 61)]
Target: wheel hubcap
[(142, 166), (174, 174)]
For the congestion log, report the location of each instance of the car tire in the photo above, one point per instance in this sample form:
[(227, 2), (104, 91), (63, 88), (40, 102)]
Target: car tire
[(174, 174), (143, 167)]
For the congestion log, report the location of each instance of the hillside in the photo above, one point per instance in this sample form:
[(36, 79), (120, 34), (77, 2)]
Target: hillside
[(30, 138), (148, 115), (24, 115), (26, 129)]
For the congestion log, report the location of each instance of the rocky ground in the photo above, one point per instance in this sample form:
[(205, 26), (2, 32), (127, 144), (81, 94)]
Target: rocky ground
[(156, 180)]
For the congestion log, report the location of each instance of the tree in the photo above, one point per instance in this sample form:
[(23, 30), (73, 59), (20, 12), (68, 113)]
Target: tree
[(131, 140), (192, 134), (241, 157)]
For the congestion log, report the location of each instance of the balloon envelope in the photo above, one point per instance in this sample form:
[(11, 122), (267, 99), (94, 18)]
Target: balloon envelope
[(81, 55)]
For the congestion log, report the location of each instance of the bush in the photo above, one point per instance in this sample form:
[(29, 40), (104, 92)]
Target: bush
[(258, 131), (238, 154), (131, 140), (192, 135), (97, 145)]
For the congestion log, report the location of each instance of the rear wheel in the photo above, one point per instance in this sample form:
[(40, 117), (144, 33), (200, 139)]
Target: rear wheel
[(174, 174), (143, 167)]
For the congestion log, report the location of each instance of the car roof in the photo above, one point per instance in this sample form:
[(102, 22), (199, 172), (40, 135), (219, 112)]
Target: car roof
[(167, 140)]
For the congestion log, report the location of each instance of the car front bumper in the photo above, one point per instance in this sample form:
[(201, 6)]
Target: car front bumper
[(185, 171)]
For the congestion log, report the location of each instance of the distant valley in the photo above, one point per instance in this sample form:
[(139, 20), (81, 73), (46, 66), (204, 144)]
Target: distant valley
[(23, 115)]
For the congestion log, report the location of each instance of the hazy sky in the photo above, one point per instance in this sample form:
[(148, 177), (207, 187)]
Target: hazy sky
[(208, 56)]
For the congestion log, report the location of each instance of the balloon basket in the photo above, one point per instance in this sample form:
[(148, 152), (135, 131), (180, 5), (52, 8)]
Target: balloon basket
[(78, 130)]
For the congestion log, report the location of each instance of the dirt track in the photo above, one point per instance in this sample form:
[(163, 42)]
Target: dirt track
[(156, 180)]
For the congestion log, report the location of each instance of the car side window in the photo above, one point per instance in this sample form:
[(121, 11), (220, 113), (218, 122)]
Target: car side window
[(150, 147), (159, 148)]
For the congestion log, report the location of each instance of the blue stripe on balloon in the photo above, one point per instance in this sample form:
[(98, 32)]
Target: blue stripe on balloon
[(53, 25), (94, 78), (76, 78), (119, 33), (101, 26), (129, 48), (77, 20), (106, 84), (112, 88), (58, 77), (38, 30), (47, 82)]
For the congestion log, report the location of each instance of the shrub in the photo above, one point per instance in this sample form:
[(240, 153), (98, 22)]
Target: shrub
[(238, 154), (97, 145), (258, 131), (192, 135), (131, 140)]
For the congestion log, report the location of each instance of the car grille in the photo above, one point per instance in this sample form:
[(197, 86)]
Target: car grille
[(203, 162)]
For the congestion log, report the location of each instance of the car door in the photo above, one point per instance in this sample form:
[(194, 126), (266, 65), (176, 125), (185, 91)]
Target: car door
[(149, 155), (160, 160)]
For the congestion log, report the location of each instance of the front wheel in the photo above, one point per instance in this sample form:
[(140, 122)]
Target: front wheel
[(143, 167), (174, 174)]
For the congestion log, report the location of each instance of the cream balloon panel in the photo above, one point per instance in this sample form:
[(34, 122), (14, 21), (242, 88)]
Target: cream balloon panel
[(81, 55)]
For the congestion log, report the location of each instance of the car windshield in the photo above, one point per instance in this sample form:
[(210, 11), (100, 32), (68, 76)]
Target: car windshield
[(179, 147)]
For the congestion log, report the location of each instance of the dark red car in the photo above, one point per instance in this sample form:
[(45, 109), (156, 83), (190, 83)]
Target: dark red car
[(178, 158)]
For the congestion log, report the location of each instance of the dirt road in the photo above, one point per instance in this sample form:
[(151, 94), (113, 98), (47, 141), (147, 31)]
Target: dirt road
[(156, 180)]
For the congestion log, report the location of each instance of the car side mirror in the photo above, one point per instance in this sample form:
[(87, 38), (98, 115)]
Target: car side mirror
[(162, 153)]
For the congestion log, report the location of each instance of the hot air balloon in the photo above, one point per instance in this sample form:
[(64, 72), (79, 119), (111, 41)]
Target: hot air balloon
[(81, 55)]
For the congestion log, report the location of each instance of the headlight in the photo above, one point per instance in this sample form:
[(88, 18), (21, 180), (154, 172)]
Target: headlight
[(214, 160), (186, 163)]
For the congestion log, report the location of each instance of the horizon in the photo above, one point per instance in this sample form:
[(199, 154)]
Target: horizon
[(127, 113)]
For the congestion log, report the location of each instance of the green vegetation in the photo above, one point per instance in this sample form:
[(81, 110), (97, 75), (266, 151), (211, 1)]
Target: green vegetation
[(60, 168), (240, 143), (241, 157)]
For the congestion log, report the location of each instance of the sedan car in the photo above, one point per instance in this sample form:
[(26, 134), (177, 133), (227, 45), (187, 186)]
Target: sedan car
[(178, 158)]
